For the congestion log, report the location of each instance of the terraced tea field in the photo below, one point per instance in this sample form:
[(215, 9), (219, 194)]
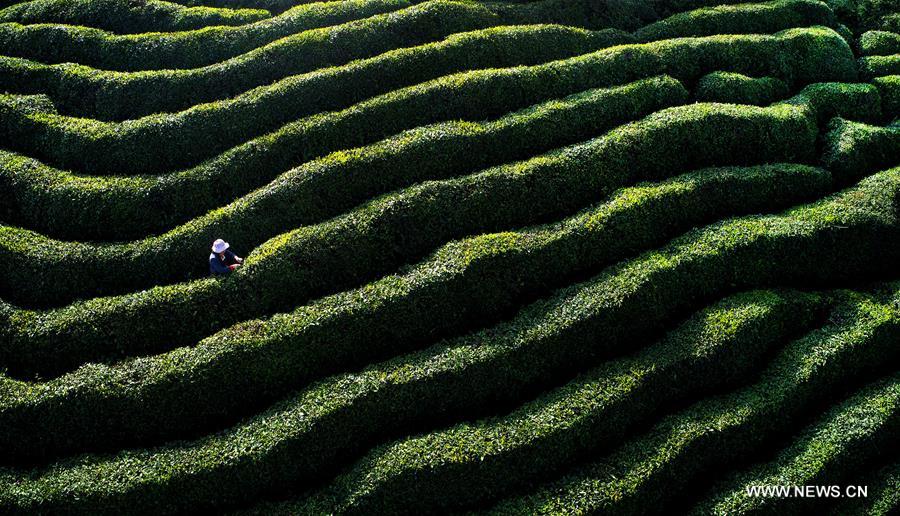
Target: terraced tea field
[(513, 257)]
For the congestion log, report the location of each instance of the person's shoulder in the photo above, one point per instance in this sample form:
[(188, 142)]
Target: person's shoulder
[(212, 256)]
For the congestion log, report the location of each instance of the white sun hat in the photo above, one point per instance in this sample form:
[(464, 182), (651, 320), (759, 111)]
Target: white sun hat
[(219, 246)]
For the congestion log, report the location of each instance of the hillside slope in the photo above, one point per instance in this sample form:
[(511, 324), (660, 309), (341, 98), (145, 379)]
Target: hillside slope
[(549, 256)]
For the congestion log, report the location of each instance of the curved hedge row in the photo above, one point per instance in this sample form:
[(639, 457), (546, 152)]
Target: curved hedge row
[(275, 6), (889, 86), (663, 144), (851, 434), (383, 92), (84, 91), (876, 66), (759, 18), (709, 436), (830, 241), (666, 8), (44, 193), (297, 54), (740, 89), (81, 91), (883, 497), (625, 15), (889, 22), (157, 51), (471, 463), (87, 270), (161, 142), (832, 222), (489, 275), (295, 199), (862, 15), (52, 201), (125, 17), (879, 43), (852, 148), (78, 90), (346, 414), (827, 100), (369, 27)]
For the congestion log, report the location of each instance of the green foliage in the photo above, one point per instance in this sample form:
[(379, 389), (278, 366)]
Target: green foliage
[(853, 148), (673, 7), (889, 87), (851, 434), (620, 14), (862, 15), (716, 432), (79, 90), (377, 116), (827, 100), (470, 463), (124, 17), (85, 91), (337, 417), (191, 49), (51, 200), (877, 42), (342, 181), (876, 66), (325, 33), (883, 494), (760, 18), (158, 143), (275, 6), (465, 283), (890, 22), (740, 89), (472, 226), (663, 144)]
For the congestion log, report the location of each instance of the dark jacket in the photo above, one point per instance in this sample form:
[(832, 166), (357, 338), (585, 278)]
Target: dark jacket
[(219, 266)]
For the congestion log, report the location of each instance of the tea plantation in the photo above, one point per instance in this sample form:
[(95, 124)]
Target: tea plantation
[(506, 256)]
